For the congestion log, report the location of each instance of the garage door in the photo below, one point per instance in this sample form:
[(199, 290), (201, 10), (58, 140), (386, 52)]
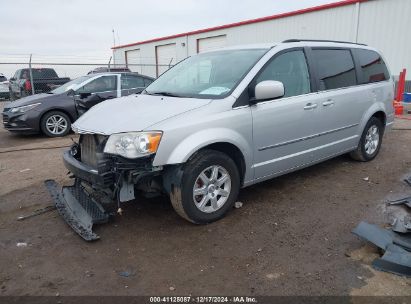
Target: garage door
[(133, 59), (211, 43), (165, 56)]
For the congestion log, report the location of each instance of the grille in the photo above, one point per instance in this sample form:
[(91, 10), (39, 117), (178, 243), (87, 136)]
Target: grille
[(88, 148)]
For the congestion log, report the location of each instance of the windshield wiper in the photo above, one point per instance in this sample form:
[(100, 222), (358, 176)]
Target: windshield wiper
[(163, 94)]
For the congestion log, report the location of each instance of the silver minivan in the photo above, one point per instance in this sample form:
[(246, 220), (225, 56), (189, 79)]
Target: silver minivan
[(226, 119)]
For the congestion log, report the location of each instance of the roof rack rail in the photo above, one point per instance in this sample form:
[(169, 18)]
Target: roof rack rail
[(313, 40)]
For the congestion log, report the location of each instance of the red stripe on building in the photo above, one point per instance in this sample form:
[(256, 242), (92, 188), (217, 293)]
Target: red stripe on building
[(251, 21)]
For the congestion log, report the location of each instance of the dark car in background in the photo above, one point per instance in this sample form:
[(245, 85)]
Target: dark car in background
[(53, 113), (43, 80)]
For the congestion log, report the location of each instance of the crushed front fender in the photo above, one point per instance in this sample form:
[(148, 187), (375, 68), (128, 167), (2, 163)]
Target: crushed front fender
[(77, 208)]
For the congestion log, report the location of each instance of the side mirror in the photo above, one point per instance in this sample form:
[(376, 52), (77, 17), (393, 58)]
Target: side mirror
[(268, 89), (84, 95), (12, 79)]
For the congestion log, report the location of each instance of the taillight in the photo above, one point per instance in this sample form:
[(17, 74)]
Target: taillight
[(27, 85)]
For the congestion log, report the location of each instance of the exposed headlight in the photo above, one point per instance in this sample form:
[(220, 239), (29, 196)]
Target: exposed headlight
[(24, 109), (134, 144)]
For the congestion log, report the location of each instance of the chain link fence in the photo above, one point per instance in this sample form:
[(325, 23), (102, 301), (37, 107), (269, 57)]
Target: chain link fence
[(20, 78), (23, 78)]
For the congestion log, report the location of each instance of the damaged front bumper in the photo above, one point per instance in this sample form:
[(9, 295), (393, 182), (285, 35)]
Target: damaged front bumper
[(99, 179), (77, 208)]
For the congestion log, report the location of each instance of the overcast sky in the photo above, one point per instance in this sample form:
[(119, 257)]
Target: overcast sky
[(83, 28)]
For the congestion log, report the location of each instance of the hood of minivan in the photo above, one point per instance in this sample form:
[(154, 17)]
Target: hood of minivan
[(133, 113)]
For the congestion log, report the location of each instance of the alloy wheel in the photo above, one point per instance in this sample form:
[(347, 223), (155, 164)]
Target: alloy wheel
[(56, 124), (372, 139), (212, 189)]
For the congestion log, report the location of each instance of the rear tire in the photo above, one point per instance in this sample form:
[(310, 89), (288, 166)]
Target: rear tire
[(55, 124), (209, 187), (370, 142)]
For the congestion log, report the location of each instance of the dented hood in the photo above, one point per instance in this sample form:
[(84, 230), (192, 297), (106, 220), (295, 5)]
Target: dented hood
[(133, 113)]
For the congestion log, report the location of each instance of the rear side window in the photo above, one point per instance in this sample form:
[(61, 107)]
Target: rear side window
[(335, 68), (101, 84), (131, 82), (372, 66)]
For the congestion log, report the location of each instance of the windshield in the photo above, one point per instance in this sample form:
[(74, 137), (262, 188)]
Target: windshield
[(74, 84), (209, 75)]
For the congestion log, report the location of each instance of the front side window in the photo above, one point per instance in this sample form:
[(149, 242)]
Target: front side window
[(207, 75), (291, 69), (335, 68), (73, 84), (101, 84), (372, 65), (131, 82)]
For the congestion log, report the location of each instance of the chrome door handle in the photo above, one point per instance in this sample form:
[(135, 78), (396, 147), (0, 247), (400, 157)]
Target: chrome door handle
[(310, 106), (328, 103)]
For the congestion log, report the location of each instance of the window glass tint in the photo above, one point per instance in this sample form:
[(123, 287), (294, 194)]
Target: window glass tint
[(25, 74), (291, 69), (372, 66), (41, 73), (131, 82), (207, 75), (101, 84), (335, 69), (73, 84), (147, 82)]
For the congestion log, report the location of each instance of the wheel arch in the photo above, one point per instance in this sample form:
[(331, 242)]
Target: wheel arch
[(56, 110), (230, 150), (224, 140), (53, 110), (377, 110), (381, 116)]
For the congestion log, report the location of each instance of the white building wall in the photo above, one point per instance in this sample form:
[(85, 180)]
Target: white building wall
[(385, 25), (381, 23)]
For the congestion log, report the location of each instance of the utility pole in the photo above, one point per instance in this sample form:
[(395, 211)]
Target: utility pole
[(109, 62), (114, 44), (31, 77)]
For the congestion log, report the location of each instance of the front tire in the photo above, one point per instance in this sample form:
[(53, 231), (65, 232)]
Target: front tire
[(370, 142), (209, 187), (55, 124)]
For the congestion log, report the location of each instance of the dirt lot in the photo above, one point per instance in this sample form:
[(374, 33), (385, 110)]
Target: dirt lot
[(291, 237)]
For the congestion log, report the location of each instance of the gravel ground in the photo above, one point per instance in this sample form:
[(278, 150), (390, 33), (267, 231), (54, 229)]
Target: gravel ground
[(292, 235)]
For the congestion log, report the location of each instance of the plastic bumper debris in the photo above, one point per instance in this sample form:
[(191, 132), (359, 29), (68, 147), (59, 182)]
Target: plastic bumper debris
[(77, 208), (397, 247)]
